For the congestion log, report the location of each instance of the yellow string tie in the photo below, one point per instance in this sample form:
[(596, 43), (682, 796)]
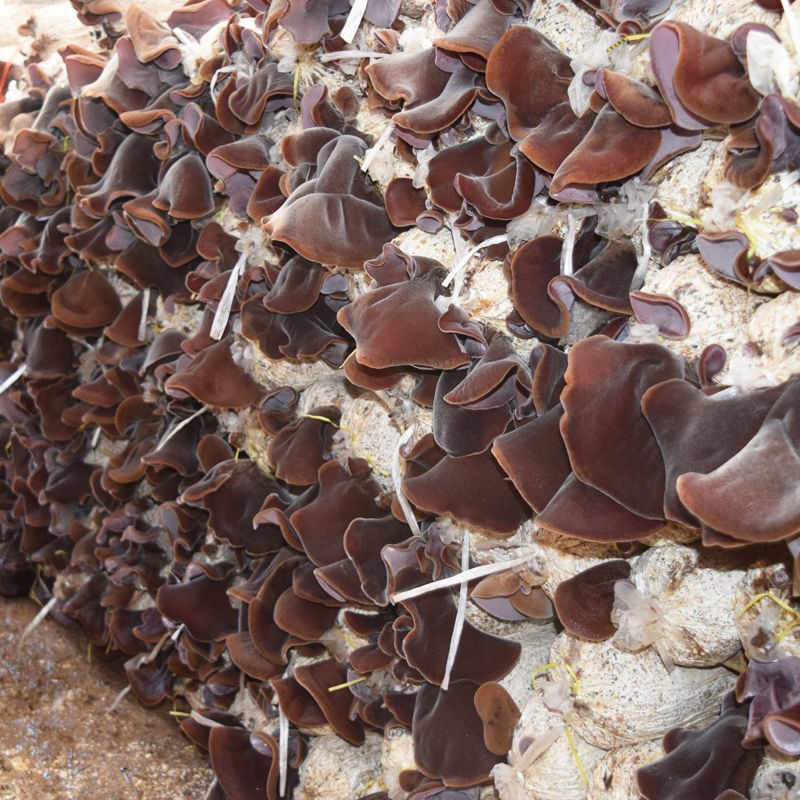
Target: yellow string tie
[(574, 751), (354, 436), (782, 604), (295, 86), (345, 685), (555, 665), (775, 599), (575, 687), (634, 37)]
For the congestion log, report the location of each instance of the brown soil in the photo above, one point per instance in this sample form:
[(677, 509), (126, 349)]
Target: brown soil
[(58, 740)]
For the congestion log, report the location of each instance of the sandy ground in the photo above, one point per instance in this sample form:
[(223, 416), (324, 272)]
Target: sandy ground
[(58, 740)]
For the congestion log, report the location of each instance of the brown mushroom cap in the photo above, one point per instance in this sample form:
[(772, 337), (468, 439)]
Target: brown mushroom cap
[(398, 325), (499, 714), (345, 493), (611, 445), (636, 101), (317, 679), (481, 656), (698, 433), (666, 313), (475, 35), (336, 217), (536, 479), (612, 150), (202, 605), (473, 489), (700, 77), (213, 377), (584, 602), (754, 496), (530, 75), (244, 770), (447, 733), (706, 764), (85, 302)]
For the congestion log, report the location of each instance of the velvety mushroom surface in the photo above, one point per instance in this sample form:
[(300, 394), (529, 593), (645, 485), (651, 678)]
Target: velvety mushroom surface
[(351, 350)]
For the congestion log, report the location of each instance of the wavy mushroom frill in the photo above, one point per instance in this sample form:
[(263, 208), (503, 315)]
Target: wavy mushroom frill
[(700, 77), (333, 215), (771, 145), (600, 274), (377, 318), (709, 763)]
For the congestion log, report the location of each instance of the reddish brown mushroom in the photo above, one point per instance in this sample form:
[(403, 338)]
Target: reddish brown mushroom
[(584, 602), (766, 468), (447, 733), (613, 149), (700, 77), (611, 445), (410, 306), (213, 377), (473, 489), (335, 217), (499, 714)]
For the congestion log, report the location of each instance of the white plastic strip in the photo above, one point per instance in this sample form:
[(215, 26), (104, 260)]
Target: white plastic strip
[(346, 55), (464, 260), (121, 695), (461, 613), (464, 577), (226, 301), (208, 723), (373, 151), (37, 620), (283, 751), (172, 431), (644, 258), (568, 248), (397, 478), (13, 377), (353, 21), (142, 333)]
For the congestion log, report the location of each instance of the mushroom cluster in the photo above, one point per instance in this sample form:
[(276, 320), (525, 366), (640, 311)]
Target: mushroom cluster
[(272, 438)]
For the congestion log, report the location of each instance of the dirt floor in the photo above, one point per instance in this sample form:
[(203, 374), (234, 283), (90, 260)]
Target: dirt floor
[(58, 740)]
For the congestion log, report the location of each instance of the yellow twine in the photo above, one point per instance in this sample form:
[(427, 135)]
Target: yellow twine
[(354, 436), (555, 665), (345, 685), (295, 86), (676, 216), (775, 599), (574, 751), (376, 781), (782, 633), (349, 356), (567, 728), (634, 37), (782, 604)]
